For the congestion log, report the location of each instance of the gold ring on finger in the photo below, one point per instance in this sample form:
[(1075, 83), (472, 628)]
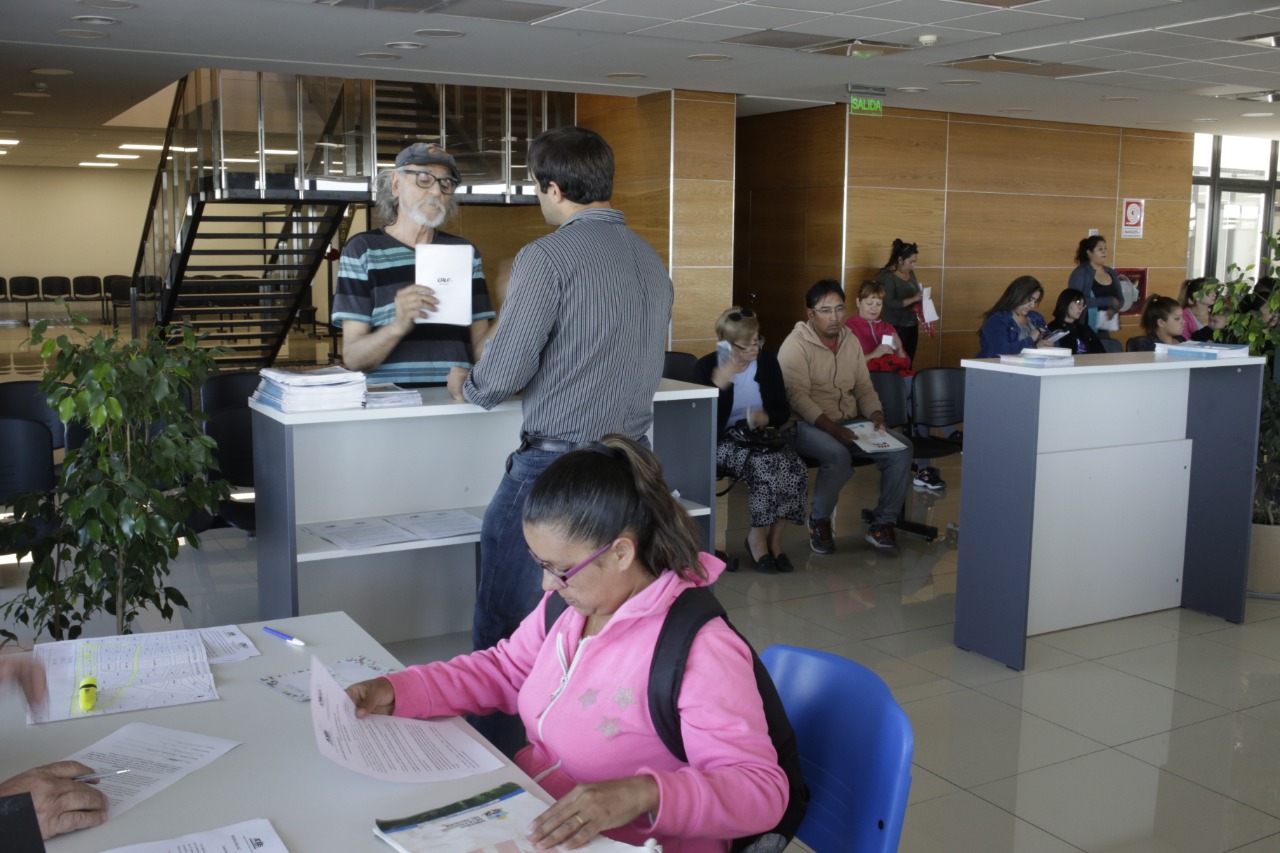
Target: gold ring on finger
[(581, 822)]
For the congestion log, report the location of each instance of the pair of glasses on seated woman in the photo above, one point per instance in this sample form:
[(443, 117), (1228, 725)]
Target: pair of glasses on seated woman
[(561, 579)]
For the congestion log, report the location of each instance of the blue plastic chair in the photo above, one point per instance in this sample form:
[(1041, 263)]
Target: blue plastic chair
[(855, 746)]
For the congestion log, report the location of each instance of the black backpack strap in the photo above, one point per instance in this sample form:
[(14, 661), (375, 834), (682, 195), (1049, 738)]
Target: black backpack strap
[(693, 608), (555, 606)]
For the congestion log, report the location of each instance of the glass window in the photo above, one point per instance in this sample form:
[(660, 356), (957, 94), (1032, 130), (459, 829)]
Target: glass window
[(1239, 231), (1202, 155), (1198, 231), (1245, 157)]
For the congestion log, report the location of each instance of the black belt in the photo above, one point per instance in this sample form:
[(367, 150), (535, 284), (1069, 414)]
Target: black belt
[(554, 445)]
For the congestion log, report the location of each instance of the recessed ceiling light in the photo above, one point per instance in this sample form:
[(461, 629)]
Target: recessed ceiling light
[(911, 90), (626, 75), (961, 83), (3, 151), (81, 34), (91, 163), (118, 156), (32, 95), (16, 113), (51, 72), (709, 57), (108, 4), (1204, 120), (278, 151), (1115, 99), (240, 159), (8, 142), (404, 45), (1256, 115), (131, 146), (382, 57), (96, 20), (438, 34)]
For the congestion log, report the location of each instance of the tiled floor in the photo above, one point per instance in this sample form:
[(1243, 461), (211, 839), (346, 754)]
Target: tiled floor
[(1155, 733)]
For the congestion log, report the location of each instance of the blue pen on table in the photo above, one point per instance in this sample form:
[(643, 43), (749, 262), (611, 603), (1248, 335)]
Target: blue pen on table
[(293, 641), (94, 777)]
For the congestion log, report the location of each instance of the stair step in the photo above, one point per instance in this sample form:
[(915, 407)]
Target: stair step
[(250, 235), (181, 310), (263, 251), (260, 219), (228, 267)]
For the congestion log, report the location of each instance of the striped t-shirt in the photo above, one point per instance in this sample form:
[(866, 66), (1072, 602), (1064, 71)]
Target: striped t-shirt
[(374, 267)]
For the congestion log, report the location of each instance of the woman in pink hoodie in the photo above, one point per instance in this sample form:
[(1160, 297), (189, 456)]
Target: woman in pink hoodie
[(619, 548)]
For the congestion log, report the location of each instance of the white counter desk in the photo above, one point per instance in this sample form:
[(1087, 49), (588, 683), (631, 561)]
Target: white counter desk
[(276, 772), (370, 463), (1117, 486)]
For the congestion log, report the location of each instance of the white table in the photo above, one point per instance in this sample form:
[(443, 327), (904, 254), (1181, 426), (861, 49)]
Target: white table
[(1119, 485), (369, 463), (276, 772)]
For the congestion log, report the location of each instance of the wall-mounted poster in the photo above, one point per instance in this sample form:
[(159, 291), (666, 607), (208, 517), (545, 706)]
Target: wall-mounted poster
[(1133, 284)]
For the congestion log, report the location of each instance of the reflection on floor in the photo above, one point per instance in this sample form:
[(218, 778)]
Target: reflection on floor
[(1154, 733)]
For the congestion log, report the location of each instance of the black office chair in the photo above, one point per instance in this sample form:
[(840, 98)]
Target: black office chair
[(118, 287), (88, 288), (24, 289), (55, 287), (679, 366), (937, 401), (892, 391), (1111, 345), (24, 400), (224, 398), (26, 465)]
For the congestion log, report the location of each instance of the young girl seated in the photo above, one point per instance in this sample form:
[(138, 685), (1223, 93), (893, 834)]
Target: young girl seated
[(1069, 316), (1162, 322)]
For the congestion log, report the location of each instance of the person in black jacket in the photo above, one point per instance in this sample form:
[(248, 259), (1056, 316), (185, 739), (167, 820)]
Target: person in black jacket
[(1069, 316), (753, 397)]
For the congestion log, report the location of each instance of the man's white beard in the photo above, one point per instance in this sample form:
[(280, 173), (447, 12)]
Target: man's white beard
[(423, 219)]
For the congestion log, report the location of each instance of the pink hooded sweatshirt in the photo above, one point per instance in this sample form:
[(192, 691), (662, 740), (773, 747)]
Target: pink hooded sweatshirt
[(583, 703)]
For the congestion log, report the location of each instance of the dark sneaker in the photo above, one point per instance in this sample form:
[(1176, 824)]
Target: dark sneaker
[(929, 478), (881, 536), (820, 539)]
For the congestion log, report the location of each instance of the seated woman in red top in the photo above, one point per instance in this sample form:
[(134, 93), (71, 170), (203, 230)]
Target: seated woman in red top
[(883, 349)]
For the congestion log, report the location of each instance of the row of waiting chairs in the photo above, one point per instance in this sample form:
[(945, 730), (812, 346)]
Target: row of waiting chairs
[(82, 288)]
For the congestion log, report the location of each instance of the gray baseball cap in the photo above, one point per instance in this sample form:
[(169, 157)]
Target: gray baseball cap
[(426, 153)]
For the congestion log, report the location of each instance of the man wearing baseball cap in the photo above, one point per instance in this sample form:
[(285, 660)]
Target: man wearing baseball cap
[(377, 299)]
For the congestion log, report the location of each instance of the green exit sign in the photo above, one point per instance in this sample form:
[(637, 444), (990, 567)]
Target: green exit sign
[(865, 106)]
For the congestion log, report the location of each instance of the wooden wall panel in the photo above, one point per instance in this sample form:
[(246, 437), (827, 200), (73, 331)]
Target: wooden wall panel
[(703, 213), (956, 345), (877, 216), (971, 291), (983, 157), (701, 294), (801, 148), (777, 228), (824, 220), (702, 131), (638, 130), (1030, 230), (1155, 167), (893, 151), (1164, 237), (647, 206), (499, 232)]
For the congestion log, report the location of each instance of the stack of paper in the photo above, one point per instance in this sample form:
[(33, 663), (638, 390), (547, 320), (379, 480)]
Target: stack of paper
[(1041, 357), (314, 391), (387, 395), (1198, 349)]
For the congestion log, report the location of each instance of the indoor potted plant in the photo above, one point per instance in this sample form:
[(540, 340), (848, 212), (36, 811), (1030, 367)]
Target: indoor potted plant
[(121, 501)]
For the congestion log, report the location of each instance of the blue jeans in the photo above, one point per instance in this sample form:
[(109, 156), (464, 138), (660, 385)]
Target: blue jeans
[(510, 582)]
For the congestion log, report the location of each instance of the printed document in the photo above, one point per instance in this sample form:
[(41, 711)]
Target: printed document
[(297, 685), (871, 440), (447, 271), (395, 749), (257, 835), (360, 533), (227, 644), (493, 821), (439, 524), (155, 757), (132, 671), (927, 309)]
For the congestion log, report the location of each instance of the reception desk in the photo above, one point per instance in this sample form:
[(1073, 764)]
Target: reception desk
[(372, 463), (1120, 485)]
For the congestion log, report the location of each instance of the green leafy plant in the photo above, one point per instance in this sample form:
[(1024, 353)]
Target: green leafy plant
[(104, 536), (1251, 319)]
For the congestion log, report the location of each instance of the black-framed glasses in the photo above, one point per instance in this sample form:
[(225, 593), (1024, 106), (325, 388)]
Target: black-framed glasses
[(754, 345), (426, 180), (737, 316), (561, 579)]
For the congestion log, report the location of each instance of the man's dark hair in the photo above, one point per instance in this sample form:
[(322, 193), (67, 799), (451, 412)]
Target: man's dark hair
[(577, 159), (819, 292)]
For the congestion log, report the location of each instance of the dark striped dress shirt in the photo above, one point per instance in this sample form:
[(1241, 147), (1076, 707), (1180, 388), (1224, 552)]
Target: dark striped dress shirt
[(582, 333)]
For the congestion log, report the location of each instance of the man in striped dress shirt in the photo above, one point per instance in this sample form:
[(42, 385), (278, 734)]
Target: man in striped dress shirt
[(582, 335)]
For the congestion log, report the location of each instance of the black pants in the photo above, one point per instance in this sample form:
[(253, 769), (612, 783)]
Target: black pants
[(910, 336)]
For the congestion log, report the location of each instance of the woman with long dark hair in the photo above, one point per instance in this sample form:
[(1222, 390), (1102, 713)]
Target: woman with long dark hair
[(619, 548), (1013, 324), (1069, 317), (1097, 281), (901, 292)]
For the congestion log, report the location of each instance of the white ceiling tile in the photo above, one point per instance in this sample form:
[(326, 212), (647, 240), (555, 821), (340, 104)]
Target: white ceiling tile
[(599, 22), (1267, 61), (1006, 21), (1234, 27), (849, 27), (690, 31), (671, 10), (760, 17), (1144, 40), (1213, 50), (831, 6), (1095, 8)]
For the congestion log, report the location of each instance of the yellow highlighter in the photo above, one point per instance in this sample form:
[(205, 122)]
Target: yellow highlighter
[(88, 693)]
